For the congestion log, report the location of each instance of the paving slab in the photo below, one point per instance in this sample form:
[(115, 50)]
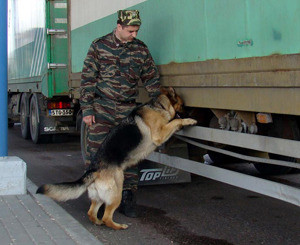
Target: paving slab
[(37, 219)]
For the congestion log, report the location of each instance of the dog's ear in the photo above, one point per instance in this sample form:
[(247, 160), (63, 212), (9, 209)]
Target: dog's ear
[(172, 92), (164, 90)]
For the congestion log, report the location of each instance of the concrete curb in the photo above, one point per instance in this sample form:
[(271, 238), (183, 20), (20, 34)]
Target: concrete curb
[(12, 176)]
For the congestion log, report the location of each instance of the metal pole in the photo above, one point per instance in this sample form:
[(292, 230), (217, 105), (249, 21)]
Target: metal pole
[(3, 78)]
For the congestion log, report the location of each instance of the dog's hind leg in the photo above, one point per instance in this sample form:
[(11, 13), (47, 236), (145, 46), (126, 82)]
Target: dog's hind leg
[(109, 212), (93, 211), (96, 203)]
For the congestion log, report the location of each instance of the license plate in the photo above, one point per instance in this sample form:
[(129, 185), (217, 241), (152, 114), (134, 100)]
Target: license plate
[(61, 112)]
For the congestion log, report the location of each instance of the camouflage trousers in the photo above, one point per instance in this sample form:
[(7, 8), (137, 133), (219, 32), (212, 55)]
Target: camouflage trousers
[(109, 114)]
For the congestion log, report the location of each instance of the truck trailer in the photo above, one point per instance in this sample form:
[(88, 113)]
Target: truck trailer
[(236, 63), (39, 95)]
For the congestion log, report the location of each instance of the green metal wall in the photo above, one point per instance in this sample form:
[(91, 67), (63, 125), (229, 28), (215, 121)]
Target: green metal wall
[(187, 31)]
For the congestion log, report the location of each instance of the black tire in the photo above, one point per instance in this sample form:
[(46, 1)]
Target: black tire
[(269, 169), (83, 140), (24, 119), (220, 159), (283, 127), (10, 123), (34, 120)]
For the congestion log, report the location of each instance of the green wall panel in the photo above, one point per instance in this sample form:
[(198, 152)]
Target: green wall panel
[(190, 30)]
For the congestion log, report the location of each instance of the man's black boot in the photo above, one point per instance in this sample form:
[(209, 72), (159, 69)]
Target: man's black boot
[(128, 205)]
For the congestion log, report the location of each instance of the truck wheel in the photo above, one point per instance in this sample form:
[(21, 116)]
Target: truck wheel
[(24, 119), (34, 120), (283, 127), (10, 123), (83, 140)]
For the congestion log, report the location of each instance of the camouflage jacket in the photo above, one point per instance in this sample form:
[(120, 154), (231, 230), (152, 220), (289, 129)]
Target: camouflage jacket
[(112, 70)]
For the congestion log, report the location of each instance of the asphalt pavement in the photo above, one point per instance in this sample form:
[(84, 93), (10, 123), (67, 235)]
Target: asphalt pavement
[(203, 212)]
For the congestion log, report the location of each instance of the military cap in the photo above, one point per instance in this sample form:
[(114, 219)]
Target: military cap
[(129, 17)]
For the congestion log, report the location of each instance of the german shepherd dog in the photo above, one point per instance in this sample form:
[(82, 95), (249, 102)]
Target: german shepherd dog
[(147, 127)]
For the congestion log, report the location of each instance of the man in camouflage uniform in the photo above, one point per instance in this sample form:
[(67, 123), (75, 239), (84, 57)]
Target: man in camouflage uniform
[(109, 87)]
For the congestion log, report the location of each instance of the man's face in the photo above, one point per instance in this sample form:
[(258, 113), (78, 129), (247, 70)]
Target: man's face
[(127, 33)]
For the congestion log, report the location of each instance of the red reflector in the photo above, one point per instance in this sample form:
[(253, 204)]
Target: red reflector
[(50, 105), (58, 105)]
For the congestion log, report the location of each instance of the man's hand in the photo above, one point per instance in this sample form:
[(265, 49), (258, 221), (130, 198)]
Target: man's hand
[(89, 120)]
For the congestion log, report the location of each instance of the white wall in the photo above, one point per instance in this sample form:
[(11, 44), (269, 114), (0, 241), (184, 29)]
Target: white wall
[(87, 11)]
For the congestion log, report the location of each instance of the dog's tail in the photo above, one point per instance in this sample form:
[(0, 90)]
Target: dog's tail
[(68, 190)]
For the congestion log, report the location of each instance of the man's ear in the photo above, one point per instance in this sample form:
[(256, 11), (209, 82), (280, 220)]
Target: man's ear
[(119, 27)]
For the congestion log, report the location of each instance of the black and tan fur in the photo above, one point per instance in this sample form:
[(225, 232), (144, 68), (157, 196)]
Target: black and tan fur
[(148, 126)]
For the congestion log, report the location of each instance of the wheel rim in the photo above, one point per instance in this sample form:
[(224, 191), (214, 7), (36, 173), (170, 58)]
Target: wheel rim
[(34, 120), (23, 117), (33, 124)]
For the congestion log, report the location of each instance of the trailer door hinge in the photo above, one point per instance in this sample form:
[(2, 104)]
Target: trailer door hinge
[(56, 32), (56, 65)]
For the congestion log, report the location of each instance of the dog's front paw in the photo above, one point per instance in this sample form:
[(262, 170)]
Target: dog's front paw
[(189, 121)]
